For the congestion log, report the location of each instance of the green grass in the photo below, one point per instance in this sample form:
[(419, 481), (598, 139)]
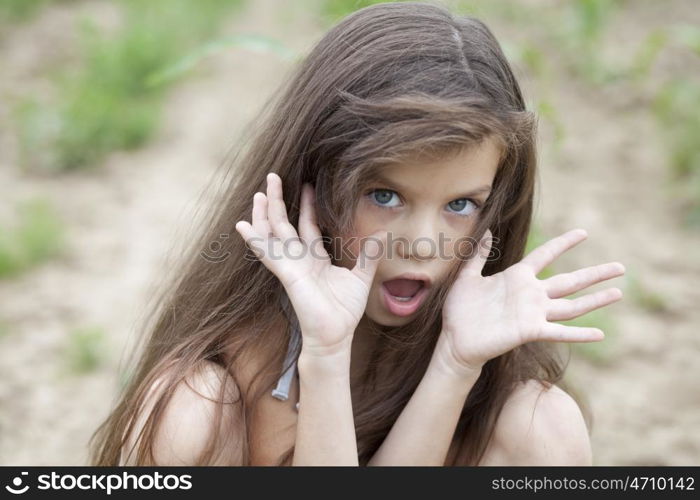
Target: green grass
[(18, 11), (676, 111), (107, 103), (590, 17), (253, 42), (599, 353), (647, 54), (578, 30), (36, 236), (642, 295), (334, 10), (681, 36), (549, 112), (4, 329), (675, 107), (534, 240), (575, 29), (595, 352), (85, 350), (688, 36)]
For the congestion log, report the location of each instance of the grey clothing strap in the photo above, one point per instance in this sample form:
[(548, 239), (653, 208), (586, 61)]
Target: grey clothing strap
[(284, 383)]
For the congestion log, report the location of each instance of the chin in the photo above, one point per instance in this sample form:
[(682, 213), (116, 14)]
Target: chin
[(376, 312), (389, 320)]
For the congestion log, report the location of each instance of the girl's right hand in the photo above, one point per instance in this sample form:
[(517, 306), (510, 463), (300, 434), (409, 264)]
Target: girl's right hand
[(329, 300)]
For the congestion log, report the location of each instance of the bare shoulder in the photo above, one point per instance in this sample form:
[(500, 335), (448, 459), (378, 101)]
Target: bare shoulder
[(539, 426), (188, 419)]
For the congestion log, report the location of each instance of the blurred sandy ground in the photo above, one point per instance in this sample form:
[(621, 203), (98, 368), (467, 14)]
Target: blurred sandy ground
[(124, 217)]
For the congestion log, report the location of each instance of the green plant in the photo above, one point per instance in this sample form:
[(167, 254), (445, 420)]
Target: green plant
[(590, 18), (549, 112), (85, 349), (36, 236), (596, 352), (4, 328), (647, 53), (642, 295), (679, 35), (334, 10), (257, 43), (676, 110), (536, 238), (580, 37), (13, 11), (599, 353), (107, 103), (687, 35)]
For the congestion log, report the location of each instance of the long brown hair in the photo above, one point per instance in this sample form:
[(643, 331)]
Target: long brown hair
[(388, 82)]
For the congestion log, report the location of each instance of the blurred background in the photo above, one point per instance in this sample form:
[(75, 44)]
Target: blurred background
[(115, 114)]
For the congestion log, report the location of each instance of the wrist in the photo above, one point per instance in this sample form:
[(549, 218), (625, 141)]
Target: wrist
[(446, 363), (321, 362)]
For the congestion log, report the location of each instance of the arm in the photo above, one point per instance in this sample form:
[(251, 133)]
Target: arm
[(423, 432), (503, 310), (187, 422), (325, 425), (329, 302), (540, 427)]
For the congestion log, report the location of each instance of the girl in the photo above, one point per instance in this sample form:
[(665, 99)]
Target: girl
[(378, 307)]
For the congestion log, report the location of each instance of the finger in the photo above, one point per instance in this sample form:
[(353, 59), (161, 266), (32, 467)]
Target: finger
[(270, 251), (260, 222), (308, 226), (371, 251), (475, 265), (568, 283), (556, 332), (542, 256), (255, 241), (565, 309), (277, 211)]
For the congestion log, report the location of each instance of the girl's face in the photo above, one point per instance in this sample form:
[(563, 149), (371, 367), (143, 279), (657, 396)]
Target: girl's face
[(428, 210)]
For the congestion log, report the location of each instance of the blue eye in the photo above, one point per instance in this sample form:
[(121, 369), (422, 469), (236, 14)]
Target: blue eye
[(383, 196), (461, 204)]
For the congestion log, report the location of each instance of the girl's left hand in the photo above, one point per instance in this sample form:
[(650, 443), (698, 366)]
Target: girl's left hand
[(486, 316)]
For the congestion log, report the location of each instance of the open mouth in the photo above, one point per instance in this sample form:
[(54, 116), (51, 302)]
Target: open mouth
[(403, 297), (403, 290)]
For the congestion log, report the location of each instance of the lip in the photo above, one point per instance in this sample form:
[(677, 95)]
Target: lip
[(427, 282), (409, 307), (403, 308)]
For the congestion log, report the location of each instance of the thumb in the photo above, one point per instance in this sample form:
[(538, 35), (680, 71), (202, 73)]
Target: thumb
[(372, 248), (475, 265)]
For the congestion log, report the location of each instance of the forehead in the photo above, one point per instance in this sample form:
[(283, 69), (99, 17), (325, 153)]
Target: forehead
[(462, 170)]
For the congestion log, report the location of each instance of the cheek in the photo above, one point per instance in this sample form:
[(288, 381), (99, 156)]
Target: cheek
[(462, 247), (348, 245)]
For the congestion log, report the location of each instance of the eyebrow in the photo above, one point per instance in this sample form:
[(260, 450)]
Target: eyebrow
[(469, 194)]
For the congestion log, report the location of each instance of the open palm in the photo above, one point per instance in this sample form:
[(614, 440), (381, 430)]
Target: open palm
[(329, 300), (486, 316)]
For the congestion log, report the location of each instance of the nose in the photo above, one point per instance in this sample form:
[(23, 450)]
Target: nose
[(418, 240)]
